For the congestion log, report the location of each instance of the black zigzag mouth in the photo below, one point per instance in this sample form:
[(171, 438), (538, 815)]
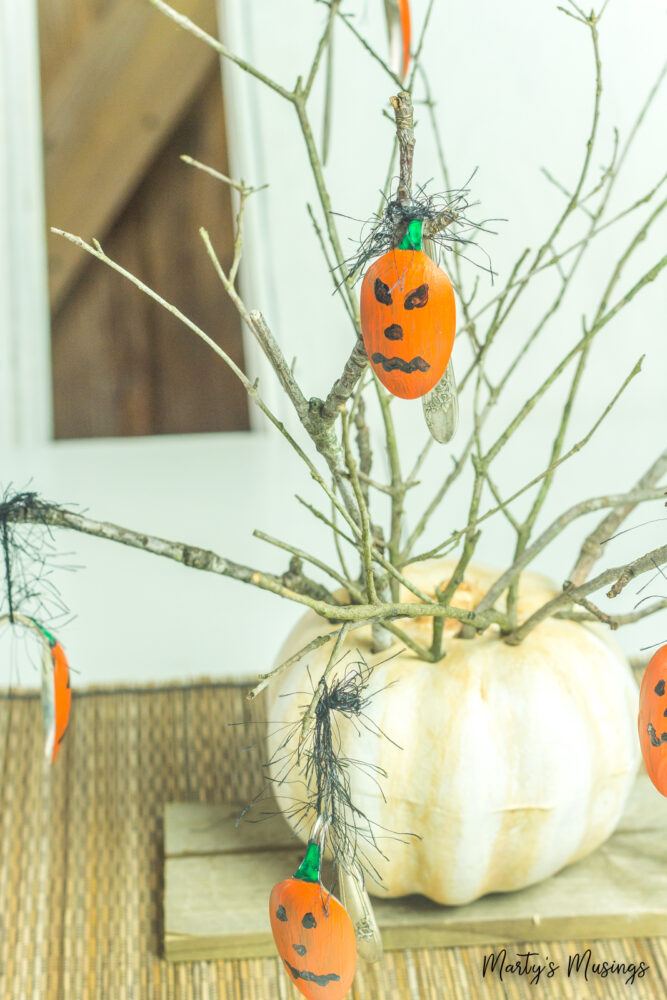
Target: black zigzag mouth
[(398, 364), (312, 977)]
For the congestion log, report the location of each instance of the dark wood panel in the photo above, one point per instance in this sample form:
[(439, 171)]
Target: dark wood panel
[(63, 28), (120, 91), (123, 366)]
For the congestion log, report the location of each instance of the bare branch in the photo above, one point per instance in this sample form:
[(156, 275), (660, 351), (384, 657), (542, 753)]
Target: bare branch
[(239, 186), (574, 200), (313, 560), (211, 562), (325, 203), (323, 43), (222, 50), (627, 573), (338, 532), (338, 288), (614, 621), (554, 260), (641, 494), (347, 20), (526, 527), (593, 610), (405, 133), (364, 450), (278, 362), (188, 555), (376, 602), (314, 644), (437, 551), (591, 549), (343, 387), (622, 575), (366, 534), (416, 59), (320, 431)]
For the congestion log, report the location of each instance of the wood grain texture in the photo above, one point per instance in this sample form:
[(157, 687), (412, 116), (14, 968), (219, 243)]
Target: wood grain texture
[(106, 113), (63, 26), (217, 887), (121, 364)]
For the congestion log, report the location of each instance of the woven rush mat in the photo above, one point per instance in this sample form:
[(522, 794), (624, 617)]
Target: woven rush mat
[(81, 865)]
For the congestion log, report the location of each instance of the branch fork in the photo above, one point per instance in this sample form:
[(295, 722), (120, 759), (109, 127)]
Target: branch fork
[(336, 426)]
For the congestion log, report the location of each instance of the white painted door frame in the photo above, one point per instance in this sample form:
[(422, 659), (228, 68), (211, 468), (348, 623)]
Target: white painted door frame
[(25, 357)]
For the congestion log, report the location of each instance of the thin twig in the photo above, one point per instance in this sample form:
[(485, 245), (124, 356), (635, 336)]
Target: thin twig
[(320, 431), (338, 288), (239, 186), (338, 532), (348, 491), (641, 494), (526, 527), (324, 42), (347, 21), (437, 551), (314, 644), (325, 202), (614, 621), (442, 491), (222, 50), (416, 59), (622, 575), (313, 560), (591, 549)]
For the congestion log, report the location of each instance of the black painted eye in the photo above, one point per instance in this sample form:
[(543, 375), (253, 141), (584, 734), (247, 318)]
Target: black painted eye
[(382, 293), (281, 914), (309, 921), (660, 688), (418, 298)]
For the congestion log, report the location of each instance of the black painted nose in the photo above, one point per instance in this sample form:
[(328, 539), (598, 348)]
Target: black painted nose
[(394, 332), (300, 949)]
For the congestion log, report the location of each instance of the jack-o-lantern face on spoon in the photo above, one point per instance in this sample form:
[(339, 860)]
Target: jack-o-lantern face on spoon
[(408, 319), (653, 719), (313, 933)]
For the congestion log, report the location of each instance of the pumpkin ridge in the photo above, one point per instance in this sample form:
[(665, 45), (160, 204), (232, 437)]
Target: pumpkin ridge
[(435, 785)]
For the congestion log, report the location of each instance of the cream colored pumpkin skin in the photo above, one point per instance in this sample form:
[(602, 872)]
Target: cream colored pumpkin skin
[(515, 760)]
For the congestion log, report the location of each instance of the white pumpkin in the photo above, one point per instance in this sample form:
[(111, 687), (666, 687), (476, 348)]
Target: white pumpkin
[(515, 760)]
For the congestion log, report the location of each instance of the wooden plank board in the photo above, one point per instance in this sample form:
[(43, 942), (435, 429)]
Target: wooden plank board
[(122, 365), (218, 878), (108, 112)]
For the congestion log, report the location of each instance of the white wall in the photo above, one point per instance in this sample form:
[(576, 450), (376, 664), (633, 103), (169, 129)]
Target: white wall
[(25, 378), (514, 84), (138, 618), (514, 87)]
